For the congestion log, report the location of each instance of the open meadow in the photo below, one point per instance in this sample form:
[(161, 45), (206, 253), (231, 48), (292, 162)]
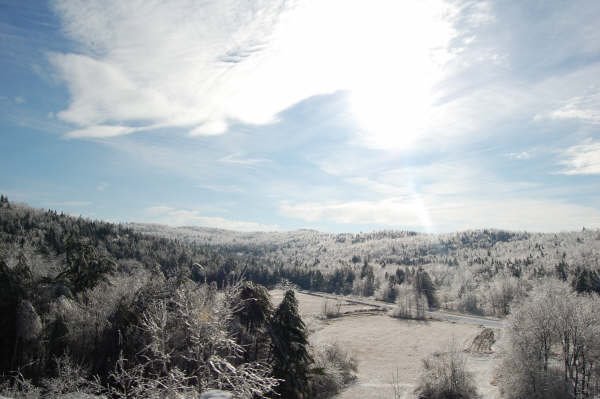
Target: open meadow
[(390, 351)]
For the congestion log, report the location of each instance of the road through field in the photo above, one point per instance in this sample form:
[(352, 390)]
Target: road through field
[(435, 315)]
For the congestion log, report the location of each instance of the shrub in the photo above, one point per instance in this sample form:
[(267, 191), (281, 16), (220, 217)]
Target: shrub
[(409, 304), (388, 293), (70, 377), (334, 368), (469, 303), (331, 310), (502, 293), (445, 377), (189, 344), (19, 387)]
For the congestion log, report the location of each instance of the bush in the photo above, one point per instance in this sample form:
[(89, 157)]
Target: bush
[(469, 303), (331, 310), (189, 344), (409, 304), (388, 293), (503, 292), (70, 377), (334, 368), (19, 387), (445, 377)]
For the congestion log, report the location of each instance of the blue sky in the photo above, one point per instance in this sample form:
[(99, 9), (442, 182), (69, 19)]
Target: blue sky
[(335, 115)]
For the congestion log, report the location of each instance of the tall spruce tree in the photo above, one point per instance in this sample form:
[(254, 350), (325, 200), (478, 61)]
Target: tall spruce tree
[(291, 360), (425, 286), (253, 312)]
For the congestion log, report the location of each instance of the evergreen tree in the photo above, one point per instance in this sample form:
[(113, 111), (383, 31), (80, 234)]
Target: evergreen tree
[(291, 359), (11, 292), (562, 268), (587, 281), (400, 276), (425, 286), (85, 266), (253, 312), (255, 305)]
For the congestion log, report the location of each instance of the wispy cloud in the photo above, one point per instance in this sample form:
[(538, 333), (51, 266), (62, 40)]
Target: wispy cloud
[(584, 108), (152, 63), (445, 196), (387, 212), (582, 159), (221, 188), (423, 214), (239, 159), (520, 156), (460, 68), (100, 131), (189, 217), (432, 114), (201, 65)]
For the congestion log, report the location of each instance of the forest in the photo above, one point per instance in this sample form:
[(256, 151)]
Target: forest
[(135, 310)]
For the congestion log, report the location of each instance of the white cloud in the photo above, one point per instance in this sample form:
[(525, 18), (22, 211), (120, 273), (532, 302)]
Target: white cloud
[(446, 196), (520, 156), (417, 74), (442, 216), (201, 65), (221, 188), (584, 108), (188, 217), (239, 159), (96, 131), (582, 159), (389, 212), (103, 93)]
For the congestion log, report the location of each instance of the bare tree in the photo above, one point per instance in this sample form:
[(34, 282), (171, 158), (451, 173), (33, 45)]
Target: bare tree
[(552, 318)]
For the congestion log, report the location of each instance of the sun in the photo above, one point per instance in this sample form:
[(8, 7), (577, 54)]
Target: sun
[(402, 53)]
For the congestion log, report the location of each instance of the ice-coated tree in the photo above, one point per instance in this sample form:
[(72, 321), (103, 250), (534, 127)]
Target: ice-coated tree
[(291, 359), (424, 286), (253, 311)]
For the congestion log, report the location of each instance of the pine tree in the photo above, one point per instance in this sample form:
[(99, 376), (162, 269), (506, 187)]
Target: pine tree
[(253, 312), (424, 286), (587, 281), (562, 268), (291, 359), (85, 267)]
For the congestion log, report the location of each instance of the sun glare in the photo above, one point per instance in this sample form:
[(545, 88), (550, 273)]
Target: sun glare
[(388, 55), (392, 92)]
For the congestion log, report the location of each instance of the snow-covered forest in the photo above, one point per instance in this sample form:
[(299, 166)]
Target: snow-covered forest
[(479, 271), (136, 310)]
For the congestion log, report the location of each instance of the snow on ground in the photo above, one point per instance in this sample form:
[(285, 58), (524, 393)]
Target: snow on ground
[(386, 347)]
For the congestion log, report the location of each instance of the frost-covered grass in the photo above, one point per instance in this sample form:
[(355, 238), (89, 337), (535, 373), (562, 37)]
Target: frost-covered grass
[(383, 345)]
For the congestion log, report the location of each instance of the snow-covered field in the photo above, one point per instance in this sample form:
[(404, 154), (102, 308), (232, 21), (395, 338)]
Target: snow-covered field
[(386, 347)]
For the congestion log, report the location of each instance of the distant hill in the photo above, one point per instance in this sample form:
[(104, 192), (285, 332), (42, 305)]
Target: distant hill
[(464, 266)]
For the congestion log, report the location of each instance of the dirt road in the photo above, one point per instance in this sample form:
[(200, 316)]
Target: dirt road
[(433, 315)]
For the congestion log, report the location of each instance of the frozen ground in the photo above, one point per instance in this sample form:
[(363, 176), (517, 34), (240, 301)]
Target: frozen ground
[(385, 347)]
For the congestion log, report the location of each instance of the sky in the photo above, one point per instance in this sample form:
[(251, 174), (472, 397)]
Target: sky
[(336, 115)]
